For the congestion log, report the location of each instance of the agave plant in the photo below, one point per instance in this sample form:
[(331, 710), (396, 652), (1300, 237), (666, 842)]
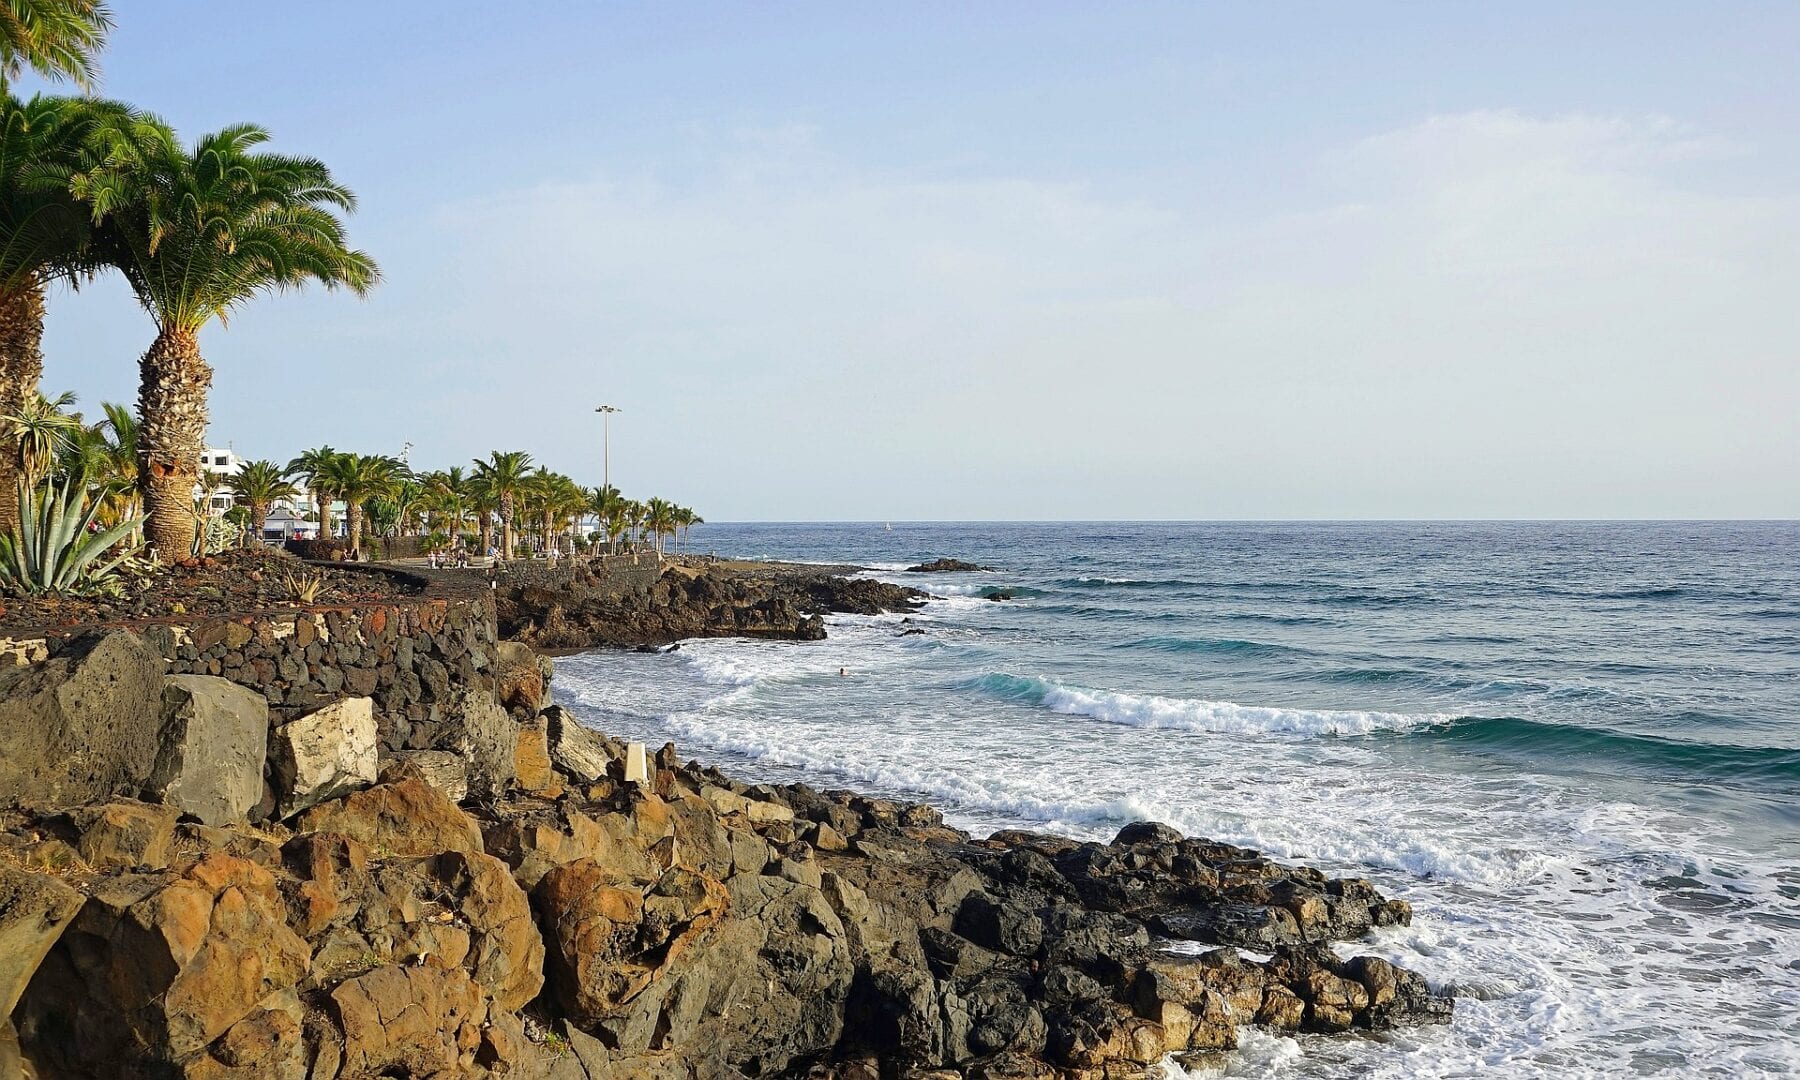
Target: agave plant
[(212, 535), (57, 548)]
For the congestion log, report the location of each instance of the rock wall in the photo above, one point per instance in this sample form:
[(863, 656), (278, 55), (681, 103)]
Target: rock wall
[(415, 656), (609, 575)]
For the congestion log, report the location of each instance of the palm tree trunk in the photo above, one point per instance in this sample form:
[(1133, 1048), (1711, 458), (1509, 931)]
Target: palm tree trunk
[(21, 366), (172, 404), (353, 513), (259, 513), (506, 528)]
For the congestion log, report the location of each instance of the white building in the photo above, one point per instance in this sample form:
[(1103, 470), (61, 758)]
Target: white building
[(216, 467)]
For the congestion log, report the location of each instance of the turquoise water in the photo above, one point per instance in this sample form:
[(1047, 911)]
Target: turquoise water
[(1574, 747)]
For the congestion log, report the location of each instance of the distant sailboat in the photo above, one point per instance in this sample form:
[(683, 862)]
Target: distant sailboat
[(889, 526)]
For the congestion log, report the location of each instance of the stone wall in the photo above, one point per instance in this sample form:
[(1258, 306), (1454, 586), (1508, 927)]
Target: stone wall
[(607, 575), (414, 655)]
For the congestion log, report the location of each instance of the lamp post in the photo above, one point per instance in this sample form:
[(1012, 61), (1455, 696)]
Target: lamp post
[(605, 412)]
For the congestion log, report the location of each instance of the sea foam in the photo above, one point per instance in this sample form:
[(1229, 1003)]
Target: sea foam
[(1196, 714)]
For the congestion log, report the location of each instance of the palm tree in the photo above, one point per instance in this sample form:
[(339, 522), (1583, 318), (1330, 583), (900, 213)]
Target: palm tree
[(198, 233), (38, 434), (257, 484), (86, 455), (357, 479), (635, 514), (105, 455), (552, 498), (312, 466), (503, 475), (659, 518), (42, 231), (48, 147), (58, 39), (686, 519), (447, 497), (608, 506), (483, 503), (409, 498), (556, 499)]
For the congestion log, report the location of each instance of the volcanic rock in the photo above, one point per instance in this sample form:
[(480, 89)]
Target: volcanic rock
[(324, 754), (34, 909), (212, 746), (81, 726)]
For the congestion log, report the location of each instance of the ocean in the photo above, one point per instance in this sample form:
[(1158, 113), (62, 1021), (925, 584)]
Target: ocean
[(1574, 747)]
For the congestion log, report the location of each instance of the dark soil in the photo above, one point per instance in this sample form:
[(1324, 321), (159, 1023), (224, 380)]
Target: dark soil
[(231, 583)]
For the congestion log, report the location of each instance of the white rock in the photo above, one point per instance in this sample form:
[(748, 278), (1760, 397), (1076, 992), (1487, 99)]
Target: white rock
[(325, 754), (636, 771)]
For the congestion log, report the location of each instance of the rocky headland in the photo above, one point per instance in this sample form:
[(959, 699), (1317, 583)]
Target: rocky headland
[(663, 602), (199, 880)]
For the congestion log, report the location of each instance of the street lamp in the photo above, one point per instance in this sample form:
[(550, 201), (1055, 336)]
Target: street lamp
[(606, 412)]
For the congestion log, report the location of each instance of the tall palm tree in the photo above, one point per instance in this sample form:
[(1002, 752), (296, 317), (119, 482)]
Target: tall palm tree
[(49, 146), (256, 485), (311, 466), (447, 494), (58, 39), (42, 232), (503, 476), (608, 506), (198, 233), (570, 502), (356, 479), (659, 519), (686, 519), (635, 515), (552, 498)]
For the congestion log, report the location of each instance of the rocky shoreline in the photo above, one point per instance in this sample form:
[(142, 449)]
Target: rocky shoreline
[(585, 609), (194, 886)]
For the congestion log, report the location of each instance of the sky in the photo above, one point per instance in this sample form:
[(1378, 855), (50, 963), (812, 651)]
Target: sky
[(1022, 260)]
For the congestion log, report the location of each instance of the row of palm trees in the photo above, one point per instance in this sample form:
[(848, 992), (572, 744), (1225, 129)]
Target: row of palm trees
[(89, 187), (503, 493)]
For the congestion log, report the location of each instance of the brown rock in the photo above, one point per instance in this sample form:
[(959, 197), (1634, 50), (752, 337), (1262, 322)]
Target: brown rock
[(34, 909), (582, 754), (507, 952), (409, 1021), (607, 940), (160, 965), (442, 769), (269, 1043), (523, 679), (826, 838), (125, 835), (533, 845), (334, 875), (531, 762), (402, 815)]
